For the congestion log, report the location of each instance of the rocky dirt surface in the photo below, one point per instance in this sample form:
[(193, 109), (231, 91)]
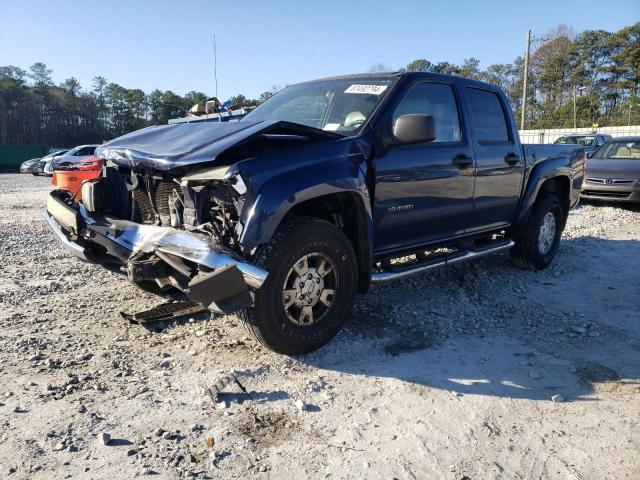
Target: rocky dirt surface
[(478, 371)]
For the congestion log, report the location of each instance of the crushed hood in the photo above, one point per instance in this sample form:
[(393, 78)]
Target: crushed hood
[(167, 147)]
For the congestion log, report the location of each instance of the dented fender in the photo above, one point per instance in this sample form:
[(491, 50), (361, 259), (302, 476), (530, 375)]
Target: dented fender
[(289, 183)]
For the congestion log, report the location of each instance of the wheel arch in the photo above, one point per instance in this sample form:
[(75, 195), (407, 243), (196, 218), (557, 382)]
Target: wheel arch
[(330, 185), (561, 187), (347, 211), (551, 180)]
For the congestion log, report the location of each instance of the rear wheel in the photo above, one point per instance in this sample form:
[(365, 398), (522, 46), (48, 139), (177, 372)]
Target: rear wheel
[(309, 290), (538, 243)]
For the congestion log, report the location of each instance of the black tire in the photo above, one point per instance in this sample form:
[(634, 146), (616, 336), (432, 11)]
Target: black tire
[(267, 321), (527, 253)]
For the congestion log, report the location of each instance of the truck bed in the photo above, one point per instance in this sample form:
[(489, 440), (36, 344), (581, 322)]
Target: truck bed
[(537, 152)]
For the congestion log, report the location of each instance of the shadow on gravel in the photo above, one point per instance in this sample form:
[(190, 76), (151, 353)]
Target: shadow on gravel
[(537, 345), (632, 207), (498, 366)]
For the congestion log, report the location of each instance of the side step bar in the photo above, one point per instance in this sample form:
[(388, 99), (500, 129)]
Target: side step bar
[(387, 276)]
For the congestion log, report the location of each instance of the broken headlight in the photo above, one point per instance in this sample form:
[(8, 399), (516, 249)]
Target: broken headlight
[(236, 181)]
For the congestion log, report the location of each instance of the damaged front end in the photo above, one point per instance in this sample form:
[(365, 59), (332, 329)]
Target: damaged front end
[(168, 207), (168, 234)]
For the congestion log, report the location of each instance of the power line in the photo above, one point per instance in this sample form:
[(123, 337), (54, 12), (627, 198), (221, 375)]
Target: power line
[(215, 63)]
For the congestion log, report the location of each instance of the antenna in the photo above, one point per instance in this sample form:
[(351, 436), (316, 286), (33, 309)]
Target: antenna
[(215, 63)]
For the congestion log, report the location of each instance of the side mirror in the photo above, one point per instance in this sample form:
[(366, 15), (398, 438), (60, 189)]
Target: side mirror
[(414, 128)]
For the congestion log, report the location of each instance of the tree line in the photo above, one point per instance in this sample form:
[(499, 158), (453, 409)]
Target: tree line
[(34, 110), (602, 70)]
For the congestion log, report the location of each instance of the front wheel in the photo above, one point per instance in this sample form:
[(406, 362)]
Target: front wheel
[(309, 290), (538, 243)]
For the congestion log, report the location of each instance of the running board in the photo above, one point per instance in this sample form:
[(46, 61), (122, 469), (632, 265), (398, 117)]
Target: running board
[(458, 257)]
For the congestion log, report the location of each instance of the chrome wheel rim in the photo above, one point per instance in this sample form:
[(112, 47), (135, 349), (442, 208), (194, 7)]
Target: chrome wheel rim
[(547, 233), (309, 289)]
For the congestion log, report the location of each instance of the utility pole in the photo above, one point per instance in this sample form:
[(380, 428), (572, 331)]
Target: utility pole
[(575, 125), (574, 108), (524, 83)]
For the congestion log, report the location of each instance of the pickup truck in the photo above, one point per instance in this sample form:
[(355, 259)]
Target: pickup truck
[(327, 187)]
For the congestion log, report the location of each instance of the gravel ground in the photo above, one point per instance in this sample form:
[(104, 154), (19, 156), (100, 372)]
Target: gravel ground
[(476, 371)]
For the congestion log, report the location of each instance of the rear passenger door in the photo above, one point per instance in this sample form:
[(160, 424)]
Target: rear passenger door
[(499, 162)]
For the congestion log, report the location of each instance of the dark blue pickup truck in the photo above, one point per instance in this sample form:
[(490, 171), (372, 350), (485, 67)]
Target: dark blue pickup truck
[(327, 187)]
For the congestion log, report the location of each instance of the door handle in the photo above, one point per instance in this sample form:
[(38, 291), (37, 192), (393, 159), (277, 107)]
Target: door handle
[(511, 158), (462, 161)]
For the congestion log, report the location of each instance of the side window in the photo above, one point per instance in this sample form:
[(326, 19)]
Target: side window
[(488, 120), (86, 151), (434, 99)]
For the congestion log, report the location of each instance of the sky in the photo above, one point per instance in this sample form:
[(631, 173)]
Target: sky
[(169, 44)]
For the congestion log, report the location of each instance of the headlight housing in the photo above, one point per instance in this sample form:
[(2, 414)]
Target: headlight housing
[(237, 182)]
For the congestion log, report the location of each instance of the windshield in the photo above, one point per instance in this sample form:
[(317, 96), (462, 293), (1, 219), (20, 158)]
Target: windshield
[(73, 151), (339, 105), (575, 140), (51, 155), (623, 150)]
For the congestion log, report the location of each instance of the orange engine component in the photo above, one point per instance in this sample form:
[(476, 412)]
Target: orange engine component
[(72, 180)]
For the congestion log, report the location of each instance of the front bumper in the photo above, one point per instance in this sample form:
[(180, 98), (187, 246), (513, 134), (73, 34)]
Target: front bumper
[(205, 272), (611, 193)]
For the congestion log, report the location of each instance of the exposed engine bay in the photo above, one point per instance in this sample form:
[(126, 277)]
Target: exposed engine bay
[(169, 235), (199, 204)]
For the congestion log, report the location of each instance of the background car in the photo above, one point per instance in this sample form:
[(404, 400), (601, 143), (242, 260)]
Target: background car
[(45, 165), (74, 176), (613, 171), (73, 156), (590, 141), (28, 166)]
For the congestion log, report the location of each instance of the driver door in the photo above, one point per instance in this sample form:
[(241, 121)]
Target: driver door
[(424, 192)]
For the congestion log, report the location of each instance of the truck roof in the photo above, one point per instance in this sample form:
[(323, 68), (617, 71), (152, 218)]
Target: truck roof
[(399, 74), (591, 134)]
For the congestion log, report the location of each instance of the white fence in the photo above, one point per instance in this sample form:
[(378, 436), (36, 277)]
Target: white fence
[(549, 135)]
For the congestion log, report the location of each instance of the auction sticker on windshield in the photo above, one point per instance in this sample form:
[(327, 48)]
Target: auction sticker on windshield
[(366, 89)]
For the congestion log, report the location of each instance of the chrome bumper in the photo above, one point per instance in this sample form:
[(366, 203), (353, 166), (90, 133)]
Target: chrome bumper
[(123, 239), (72, 247)]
